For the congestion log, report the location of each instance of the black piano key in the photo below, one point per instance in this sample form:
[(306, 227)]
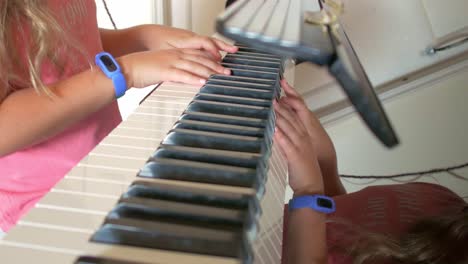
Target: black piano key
[(257, 54), (224, 119), (221, 157), (249, 49), (179, 170), (239, 83), (220, 128), (233, 99), (149, 190), (229, 109), (253, 62), (212, 140), (101, 260), (244, 80), (250, 67), (237, 91), (253, 74), (190, 214), (252, 56), (267, 124), (174, 237)]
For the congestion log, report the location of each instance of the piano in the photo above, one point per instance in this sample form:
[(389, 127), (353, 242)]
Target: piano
[(193, 175)]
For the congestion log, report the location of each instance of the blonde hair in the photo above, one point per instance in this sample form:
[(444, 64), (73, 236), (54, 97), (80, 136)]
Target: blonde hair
[(32, 23)]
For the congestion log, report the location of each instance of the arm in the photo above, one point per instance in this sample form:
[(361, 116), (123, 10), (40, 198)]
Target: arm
[(326, 153), (306, 237), (27, 118), (157, 37)]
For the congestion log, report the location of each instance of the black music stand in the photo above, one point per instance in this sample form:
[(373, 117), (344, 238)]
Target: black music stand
[(330, 48)]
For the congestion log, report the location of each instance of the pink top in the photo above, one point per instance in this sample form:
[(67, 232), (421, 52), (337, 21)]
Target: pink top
[(385, 209), (27, 175)]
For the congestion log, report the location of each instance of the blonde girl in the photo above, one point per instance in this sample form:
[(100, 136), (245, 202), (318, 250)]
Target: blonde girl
[(55, 107)]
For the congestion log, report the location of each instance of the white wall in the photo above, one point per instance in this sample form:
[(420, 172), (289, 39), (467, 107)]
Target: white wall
[(195, 15), (432, 123)]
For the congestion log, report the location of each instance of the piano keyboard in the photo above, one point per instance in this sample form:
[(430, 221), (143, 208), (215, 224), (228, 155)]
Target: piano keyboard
[(211, 190)]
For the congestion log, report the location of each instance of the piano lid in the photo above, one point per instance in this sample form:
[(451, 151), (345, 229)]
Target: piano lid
[(279, 26)]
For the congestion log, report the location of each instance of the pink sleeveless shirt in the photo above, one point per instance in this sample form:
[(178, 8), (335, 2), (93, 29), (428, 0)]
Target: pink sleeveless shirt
[(27, 175)]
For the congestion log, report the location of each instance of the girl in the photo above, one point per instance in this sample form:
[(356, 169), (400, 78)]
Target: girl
[(55, 107), (406, 223)]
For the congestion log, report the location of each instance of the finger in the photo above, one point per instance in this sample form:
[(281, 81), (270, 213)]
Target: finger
[(225, 46), (194, 67), (290, 131), (205, 43), (285, 145), (203, 53), (296, 104), (290, 117), (218, 68), (179, 75), (288, 89)]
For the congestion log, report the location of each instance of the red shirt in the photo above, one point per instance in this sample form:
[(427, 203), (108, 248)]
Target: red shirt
[(385, 209)]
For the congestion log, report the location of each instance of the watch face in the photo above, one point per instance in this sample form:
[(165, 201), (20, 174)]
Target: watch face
[(324, 203), (110, 65)]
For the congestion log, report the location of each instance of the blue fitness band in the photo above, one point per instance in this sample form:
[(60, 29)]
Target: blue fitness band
[(112, 70), (319, 203)]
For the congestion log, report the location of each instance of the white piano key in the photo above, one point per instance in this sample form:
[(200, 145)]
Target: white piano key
[(111, 176), (158, 102), (291, 36), (26, 254), (78, 201), (126, 151), (275, 26), (145, 144), (123, 162), (71, 244), (75, 184), (63, 220), (136, 132), (100, 173)]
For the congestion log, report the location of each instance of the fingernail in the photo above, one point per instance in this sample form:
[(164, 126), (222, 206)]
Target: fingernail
[(227, 71), (202, 81)]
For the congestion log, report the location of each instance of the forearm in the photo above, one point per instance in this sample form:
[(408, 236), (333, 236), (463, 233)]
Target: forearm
[(306, 238), (134, 39), (123, 41), (27, 118), (331, 179)]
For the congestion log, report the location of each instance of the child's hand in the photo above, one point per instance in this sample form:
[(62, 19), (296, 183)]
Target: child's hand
[(161, 37), (179, 65), (298, 148), (322, 142)]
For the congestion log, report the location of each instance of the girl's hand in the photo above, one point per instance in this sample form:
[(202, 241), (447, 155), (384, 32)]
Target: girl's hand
[(179, 65), (299, 149), (161, 37), (322, 142)]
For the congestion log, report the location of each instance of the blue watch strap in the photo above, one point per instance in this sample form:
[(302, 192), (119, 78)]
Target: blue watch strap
[(112, 70), (320, 203), (120, 84)]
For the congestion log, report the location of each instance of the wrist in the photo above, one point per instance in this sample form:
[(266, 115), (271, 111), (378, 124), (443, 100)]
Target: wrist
[(308, 190), (126, 68)]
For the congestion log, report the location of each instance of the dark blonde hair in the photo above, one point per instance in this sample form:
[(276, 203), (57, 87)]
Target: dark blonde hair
[(438, 240), (31, 22)]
